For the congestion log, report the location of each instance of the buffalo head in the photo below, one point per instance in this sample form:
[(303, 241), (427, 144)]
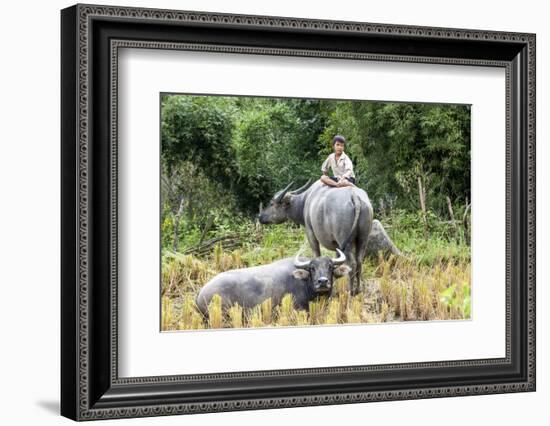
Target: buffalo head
[(277, 208), (321, 271)]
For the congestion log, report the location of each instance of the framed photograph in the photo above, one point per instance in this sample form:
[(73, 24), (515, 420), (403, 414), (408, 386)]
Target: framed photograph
[(263, 212)]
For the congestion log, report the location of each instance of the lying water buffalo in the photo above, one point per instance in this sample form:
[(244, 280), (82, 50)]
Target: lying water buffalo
[(333, 217), (248, 287)]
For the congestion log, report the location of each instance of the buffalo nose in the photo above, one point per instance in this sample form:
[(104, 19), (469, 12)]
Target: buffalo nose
[(323, 282)]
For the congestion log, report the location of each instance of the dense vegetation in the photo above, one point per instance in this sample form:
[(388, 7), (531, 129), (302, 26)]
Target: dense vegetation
[(224, 156)]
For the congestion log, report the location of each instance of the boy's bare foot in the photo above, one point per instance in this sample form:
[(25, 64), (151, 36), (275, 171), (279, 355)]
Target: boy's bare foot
[(343, 183)]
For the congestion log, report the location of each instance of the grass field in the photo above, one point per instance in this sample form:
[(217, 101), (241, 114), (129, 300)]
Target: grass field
[(431, 281)]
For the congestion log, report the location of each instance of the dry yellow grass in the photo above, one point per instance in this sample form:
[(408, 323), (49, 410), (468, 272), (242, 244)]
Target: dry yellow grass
[(236, 316), (394, 289), (285, 312), (215, 314), (254, 318)]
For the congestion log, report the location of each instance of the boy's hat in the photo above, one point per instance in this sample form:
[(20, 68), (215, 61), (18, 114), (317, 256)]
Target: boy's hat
[(338, 138)]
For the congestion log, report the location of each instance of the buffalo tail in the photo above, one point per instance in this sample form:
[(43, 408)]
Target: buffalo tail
[(357, 204)]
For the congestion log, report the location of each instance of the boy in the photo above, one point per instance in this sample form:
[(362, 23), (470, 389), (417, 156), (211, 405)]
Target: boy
[(341, 165)]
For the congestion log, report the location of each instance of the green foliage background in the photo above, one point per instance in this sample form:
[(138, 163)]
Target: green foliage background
[(222, 156)]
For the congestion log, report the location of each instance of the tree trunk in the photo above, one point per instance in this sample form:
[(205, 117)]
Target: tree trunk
[(382, 208), (260, 208), (177, 225), (452, 215), (206, 228), (422, 196), (466, 224)]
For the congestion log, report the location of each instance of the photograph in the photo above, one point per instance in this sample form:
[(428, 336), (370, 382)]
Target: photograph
[(281, 212)]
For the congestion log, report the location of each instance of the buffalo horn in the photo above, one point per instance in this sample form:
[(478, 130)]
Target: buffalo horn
[(301, 189), (340, 259), (283, 192), (300, 263)]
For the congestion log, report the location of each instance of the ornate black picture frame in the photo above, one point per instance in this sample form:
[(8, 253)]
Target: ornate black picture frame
[(90, 385)]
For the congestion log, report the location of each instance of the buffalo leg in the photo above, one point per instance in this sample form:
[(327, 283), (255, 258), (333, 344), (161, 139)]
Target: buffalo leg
[(313, 242), (358, 271), (350, 260), (360, 252)]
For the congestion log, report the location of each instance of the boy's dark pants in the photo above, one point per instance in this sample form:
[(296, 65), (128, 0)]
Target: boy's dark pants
[(352, 180)]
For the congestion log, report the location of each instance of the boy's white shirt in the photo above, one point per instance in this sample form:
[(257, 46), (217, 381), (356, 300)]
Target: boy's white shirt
[(343, 169)]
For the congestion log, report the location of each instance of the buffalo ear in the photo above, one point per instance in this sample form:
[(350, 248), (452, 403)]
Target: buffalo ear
[(341, 270), (300, 274), (286, 199)]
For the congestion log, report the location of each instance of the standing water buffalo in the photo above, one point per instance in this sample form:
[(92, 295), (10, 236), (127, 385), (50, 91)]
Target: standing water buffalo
[(249, 287), (333, 217)]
